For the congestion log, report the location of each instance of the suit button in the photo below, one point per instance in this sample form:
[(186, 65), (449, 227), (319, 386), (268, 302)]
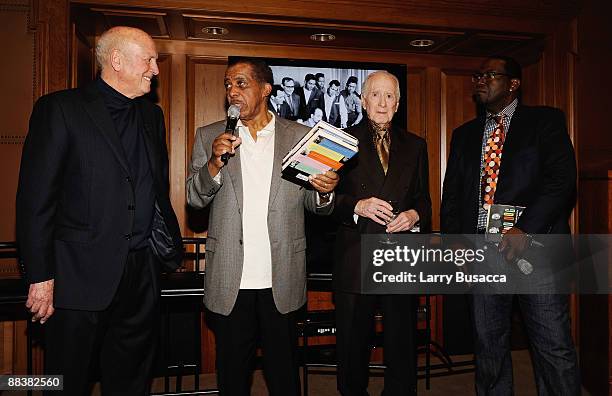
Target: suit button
[(128, 236), (131, 207), (128, 179), (363, 186), (240, 241)]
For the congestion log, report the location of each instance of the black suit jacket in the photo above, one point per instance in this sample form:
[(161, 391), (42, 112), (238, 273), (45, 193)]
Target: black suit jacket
[(284, 111), (538, 171), (314, 101), (407, 181), (74, 196), (294, 112)]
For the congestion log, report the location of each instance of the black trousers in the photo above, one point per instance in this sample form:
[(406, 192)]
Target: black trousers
[(255, 316), (355, 327), (121, 340)]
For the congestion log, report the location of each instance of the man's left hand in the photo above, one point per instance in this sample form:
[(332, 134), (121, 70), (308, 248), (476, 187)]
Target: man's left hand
[(513, 244), (325, 182), (403, 222)]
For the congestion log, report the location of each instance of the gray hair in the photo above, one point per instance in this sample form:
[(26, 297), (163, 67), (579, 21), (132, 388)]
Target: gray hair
[(368, 82), (115, 38)]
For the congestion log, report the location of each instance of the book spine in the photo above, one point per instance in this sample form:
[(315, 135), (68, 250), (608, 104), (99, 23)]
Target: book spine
[(335, 165), (348, 154), (325, 152)]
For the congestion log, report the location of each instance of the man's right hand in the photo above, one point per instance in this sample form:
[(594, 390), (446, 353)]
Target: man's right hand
[(376, 209), (224, 143), (40, 300)]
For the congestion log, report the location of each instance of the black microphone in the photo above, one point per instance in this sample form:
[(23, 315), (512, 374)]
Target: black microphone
[(233, 114)]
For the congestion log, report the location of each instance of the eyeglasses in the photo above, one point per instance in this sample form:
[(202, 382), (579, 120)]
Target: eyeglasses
[(488, 76)]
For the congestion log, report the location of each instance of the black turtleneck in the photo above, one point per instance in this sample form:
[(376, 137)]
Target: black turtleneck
[(128, 124)]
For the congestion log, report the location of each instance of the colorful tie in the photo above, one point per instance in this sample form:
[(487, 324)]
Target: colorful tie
[(492, 162)]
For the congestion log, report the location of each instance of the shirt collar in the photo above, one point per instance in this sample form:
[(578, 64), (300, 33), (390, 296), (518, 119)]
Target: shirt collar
[(507, 111)]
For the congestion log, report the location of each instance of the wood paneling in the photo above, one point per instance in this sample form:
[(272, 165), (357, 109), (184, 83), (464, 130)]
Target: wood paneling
[(82, 64), (17, 81), (518, 15), (596, 310)]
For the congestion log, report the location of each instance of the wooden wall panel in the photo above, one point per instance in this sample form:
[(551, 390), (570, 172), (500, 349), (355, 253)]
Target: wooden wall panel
[(17, 82), (82, 62)]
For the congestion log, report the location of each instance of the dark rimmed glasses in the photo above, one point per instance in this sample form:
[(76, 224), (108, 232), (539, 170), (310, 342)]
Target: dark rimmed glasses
[(488, 76)]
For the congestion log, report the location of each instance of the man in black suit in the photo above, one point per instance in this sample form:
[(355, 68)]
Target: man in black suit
[(94, 220), (391, 166), (310, 97), (537, 171), (292, 98), (321, 82), (278, 102)]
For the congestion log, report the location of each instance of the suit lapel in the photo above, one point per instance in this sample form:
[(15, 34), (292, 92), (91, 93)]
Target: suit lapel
[(398, 153), (368, 154), (149, 136), (234, 170), (518, 126), (283, 141), (97, 111)]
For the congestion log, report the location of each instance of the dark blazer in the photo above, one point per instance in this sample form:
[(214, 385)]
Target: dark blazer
[(74, 196), (538, 171), (284, 112), (407, 180), (294, 112), (314, 101)]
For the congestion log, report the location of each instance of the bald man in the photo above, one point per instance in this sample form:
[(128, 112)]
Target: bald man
[(94, 220)]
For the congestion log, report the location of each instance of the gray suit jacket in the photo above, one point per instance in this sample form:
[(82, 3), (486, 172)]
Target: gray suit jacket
[(224, 249)]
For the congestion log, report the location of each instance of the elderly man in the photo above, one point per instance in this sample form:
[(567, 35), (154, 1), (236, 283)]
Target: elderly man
[(391, 167), (537, 171), (255, 251), (94, 220)]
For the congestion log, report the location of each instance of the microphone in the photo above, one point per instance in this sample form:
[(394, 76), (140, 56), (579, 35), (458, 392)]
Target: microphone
[(523, 264), (233, 114)]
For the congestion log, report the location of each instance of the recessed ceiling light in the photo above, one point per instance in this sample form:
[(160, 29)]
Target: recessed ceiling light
[(322, 37), (215, 30), (422, 43)]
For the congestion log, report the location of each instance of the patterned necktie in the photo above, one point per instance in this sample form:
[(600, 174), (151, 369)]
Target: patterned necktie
[(382, 141), (492, 162)]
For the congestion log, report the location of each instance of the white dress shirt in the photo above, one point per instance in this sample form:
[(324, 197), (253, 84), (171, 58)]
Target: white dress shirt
[(256, 161)]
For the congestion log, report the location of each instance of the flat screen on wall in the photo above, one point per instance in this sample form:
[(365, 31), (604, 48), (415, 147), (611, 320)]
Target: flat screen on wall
[(299, 86)]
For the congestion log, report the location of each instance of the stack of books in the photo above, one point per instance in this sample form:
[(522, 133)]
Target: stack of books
[(323, 148)]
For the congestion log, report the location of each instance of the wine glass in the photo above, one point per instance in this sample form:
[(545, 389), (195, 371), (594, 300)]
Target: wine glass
[(396, 211)]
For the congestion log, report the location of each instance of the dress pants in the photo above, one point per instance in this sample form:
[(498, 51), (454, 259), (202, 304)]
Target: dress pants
[(254, 317), (546, 319), (121, 340), (355, 327)]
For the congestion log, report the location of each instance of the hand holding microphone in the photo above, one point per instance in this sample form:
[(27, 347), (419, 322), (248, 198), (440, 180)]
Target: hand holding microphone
[(225, 144), (514, 244)]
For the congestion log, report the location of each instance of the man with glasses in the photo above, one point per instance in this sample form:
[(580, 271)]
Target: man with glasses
[(537, 171), (293, 99)]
